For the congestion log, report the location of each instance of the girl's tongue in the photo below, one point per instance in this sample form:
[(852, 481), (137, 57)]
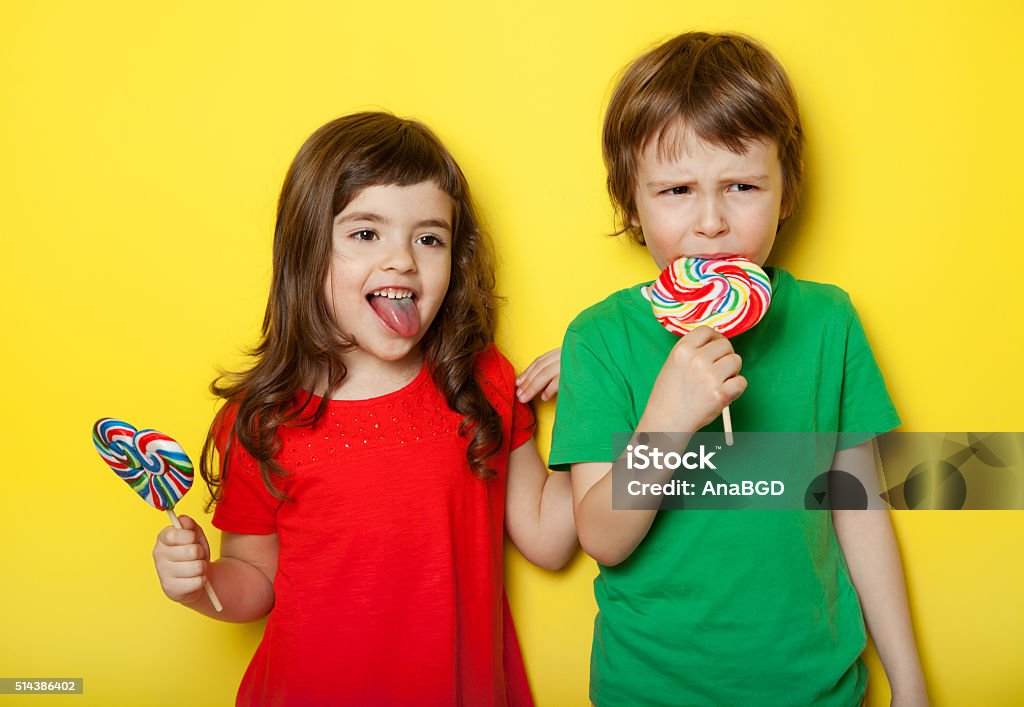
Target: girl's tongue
[(399, 315)]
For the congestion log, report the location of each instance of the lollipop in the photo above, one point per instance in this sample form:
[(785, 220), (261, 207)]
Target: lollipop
[(730, 296), (153, 464)]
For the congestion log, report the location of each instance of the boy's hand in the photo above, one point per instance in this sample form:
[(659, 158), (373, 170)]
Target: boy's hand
[(541, 375), (699, 378), (182, 558)]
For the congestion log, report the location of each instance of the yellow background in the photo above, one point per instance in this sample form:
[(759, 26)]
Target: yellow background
[(143, 148)]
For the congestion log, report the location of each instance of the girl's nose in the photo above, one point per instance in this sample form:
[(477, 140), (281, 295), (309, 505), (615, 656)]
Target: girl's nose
[(711, 219), (399, 258)]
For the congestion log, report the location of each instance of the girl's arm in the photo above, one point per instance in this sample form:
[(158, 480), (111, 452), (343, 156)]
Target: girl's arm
[(869, 545), (538, 509), (243, 576)]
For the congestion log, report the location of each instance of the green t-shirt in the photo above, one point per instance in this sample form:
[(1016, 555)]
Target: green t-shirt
[(737, 606)]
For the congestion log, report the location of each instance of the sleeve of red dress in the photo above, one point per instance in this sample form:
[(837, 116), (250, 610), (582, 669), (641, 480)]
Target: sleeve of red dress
[(523, 422), (501, 377), (246, 505)]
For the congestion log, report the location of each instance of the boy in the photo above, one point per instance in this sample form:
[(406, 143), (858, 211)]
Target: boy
[(703, 146)]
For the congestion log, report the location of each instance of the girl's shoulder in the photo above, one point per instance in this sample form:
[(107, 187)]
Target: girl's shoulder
[(494, 368), (222, 425), (497, 378)]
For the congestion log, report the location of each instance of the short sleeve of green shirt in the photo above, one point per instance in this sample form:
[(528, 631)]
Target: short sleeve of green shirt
[(865, 408), (587, 419)]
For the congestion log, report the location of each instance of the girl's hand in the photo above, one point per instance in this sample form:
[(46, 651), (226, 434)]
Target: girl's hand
[(699, 378), (182, 559), (541, 376)]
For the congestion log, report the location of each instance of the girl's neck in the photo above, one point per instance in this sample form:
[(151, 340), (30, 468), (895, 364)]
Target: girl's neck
[(370, 377)]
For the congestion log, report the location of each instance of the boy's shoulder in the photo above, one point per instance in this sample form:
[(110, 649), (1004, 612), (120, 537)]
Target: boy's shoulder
[(811, 288), (811, 295), (613, 311)]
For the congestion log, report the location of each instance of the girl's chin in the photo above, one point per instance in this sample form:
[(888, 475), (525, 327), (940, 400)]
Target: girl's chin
[(395, 352)]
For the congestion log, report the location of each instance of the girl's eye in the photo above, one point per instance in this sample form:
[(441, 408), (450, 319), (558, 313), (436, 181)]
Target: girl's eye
[(678, 190), (430, 240), (741, 187), (364, 235)]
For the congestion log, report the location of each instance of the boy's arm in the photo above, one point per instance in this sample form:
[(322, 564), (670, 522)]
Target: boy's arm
[(538, 509), (869, 545), (701, 375), (607, 534)]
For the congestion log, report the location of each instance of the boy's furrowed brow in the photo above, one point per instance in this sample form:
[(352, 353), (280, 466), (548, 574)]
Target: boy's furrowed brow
[(747, 178), (740, 178)]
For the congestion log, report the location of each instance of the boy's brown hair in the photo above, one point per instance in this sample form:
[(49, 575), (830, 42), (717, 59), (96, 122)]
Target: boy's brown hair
[(725, 88)]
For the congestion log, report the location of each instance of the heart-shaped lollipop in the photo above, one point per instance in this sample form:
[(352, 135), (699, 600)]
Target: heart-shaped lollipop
[(153, 464)]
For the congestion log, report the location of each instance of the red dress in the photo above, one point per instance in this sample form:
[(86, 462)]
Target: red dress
[(389, 583)]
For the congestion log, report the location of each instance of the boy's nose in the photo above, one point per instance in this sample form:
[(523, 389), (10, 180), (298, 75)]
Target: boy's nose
[(711, 219)]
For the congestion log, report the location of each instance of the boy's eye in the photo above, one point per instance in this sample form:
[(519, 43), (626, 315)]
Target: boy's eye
[(741, 187), (365, 235), (430, 240)]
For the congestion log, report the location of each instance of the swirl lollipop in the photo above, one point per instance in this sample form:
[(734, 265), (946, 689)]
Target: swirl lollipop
[(729, 295), (153, 464)]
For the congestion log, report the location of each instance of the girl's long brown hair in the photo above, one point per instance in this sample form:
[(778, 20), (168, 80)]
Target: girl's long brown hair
[(301, 343)]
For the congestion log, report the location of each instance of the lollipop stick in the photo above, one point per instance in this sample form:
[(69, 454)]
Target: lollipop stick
[(727, 424), (209, 588)]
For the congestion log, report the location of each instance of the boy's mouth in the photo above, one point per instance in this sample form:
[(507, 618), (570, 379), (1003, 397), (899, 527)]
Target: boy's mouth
[(713, 256), (396, 309)]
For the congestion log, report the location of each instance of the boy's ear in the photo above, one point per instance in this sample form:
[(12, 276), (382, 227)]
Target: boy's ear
[(790, 204), (787, 210), (638, 233)]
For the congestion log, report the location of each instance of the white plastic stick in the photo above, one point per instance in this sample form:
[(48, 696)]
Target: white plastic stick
[(209, 587), (727, 424)]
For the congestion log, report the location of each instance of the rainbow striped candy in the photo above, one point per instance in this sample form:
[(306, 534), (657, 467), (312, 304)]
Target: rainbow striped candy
[(153, 464), (730, 295)]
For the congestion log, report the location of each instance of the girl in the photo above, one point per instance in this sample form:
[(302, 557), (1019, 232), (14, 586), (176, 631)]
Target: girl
[(375, 450)]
